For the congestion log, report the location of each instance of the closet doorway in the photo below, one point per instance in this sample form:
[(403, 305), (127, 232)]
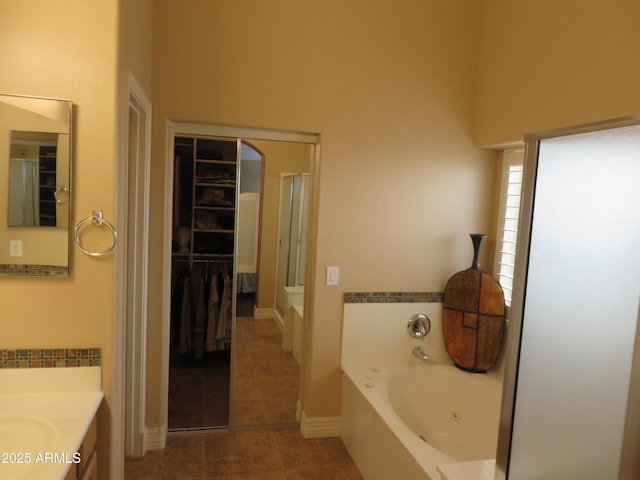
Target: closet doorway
[(226, 363)]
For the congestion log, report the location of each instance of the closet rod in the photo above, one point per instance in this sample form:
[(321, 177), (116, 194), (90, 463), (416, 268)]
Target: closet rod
[(202, 260)]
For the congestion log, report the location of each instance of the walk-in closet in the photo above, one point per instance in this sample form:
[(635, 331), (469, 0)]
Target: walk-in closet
[(206, 173), (229, 363)]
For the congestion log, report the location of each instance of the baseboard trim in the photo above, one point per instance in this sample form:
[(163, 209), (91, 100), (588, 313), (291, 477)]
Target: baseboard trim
[(319, 427), (264, 313), (155, 438)]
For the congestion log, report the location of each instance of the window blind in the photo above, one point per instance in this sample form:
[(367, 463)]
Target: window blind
[(513, 162)]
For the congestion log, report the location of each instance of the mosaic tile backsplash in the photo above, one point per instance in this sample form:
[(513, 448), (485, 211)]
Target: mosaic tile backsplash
[(35, 270), (50, 357), (393, 297)]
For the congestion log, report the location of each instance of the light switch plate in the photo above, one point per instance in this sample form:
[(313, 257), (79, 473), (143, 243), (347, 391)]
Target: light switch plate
[(332, 275), (15, 248)]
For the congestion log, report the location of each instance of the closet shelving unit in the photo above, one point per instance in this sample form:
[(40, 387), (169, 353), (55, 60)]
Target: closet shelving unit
[(47, 185), (211, 167), (205, 211)]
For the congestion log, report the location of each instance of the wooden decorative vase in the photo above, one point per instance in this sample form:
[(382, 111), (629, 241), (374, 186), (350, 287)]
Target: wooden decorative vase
[(473, 314)]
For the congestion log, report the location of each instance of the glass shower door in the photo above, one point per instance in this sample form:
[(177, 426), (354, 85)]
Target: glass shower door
[(573, 414)]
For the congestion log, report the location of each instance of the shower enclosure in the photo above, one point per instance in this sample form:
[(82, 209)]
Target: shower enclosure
[(292, 238), (572, 385)]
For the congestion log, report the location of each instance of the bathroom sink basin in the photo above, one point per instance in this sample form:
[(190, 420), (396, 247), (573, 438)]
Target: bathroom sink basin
[(22, 439)]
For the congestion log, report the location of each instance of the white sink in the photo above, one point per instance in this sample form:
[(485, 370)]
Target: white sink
[(44, 415), (22, 439)]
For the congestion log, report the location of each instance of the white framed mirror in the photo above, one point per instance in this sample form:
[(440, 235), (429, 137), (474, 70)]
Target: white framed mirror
[(35, 156)]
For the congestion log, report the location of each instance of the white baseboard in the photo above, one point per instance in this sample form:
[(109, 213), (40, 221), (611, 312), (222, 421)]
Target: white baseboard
[(278, 319), (264, 312), (319, 427), (155, 438)]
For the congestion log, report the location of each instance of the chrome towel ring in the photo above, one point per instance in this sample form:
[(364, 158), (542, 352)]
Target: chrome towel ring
[(97, 221)]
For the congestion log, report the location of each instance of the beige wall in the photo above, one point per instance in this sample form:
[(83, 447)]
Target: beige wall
[(547, 64), (134, 61), (67, 49), (390, 87), (279, 158)]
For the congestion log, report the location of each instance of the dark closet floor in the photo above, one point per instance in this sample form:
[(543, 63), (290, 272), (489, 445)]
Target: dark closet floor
[(199, 388), (199, 391)]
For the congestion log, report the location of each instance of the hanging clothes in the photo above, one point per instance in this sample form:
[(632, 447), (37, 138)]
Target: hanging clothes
[(185, 318), (201, 310), (213, 312), (224, 323), (199, 314)]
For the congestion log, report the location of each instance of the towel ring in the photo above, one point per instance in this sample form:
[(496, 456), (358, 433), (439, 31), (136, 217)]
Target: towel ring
[(97, 221)]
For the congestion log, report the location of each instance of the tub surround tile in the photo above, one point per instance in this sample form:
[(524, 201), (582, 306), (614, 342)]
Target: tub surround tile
[(393, 297)]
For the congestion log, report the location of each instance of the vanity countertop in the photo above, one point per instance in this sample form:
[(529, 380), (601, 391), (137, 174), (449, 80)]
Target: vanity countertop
[(44, 416)]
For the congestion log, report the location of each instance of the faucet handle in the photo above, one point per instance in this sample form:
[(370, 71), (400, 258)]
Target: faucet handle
[(419, 326)]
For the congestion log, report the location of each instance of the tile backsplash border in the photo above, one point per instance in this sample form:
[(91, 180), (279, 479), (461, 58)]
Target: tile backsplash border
[(50, 357), (393, 297), (35, 270)]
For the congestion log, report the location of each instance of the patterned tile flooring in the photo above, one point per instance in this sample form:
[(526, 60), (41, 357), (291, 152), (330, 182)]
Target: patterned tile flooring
[(265, 442), (259, 454), (265, 378), (264, 388)]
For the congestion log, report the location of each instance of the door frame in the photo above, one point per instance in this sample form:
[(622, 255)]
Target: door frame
[(239, 133), (132, 268)]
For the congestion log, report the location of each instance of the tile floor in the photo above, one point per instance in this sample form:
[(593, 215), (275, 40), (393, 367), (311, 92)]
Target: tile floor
[(265, 382), (258, 454), (265, 378), (264, 442)]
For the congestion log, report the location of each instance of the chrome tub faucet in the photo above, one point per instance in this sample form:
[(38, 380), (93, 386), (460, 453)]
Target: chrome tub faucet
[(418, 352), (418, 327)]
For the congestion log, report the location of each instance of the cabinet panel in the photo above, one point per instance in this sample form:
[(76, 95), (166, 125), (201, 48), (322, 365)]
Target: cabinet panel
[(87, 469), (90, 471)]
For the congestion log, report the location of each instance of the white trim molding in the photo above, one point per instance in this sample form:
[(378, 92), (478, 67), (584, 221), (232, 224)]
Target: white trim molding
[(319, 427), (265, 313), (155, 438)]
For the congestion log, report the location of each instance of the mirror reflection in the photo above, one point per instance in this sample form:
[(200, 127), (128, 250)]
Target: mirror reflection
[(32, 179), (35, 187)]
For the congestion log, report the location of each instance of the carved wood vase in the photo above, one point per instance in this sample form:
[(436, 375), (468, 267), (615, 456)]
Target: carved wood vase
[(473, 316)]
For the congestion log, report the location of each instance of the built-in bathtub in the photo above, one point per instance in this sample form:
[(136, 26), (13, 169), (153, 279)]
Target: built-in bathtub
[(406, 418)]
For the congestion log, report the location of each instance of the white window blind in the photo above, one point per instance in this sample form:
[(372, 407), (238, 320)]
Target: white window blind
[(511, 187)]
